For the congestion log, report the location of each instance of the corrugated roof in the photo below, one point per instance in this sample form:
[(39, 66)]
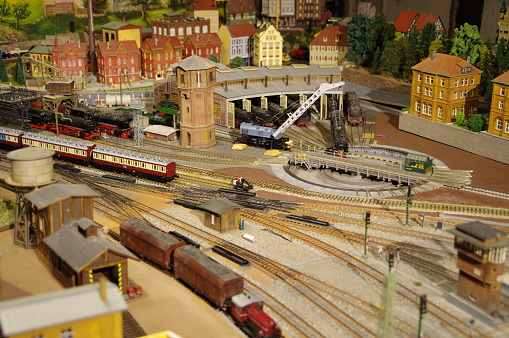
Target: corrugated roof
[(241, 30), (327, 37), (446, 65), (217, 206), (50, 309), (115, 25), (159, 129), (43, 197), (41, 50), (403, 22), (240, 6)]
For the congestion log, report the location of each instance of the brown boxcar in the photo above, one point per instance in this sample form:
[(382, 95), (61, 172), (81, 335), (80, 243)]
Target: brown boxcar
[(210, 279), (148, 241)]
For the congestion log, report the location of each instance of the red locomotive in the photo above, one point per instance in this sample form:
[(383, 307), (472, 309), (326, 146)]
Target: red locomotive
[(218, 284)]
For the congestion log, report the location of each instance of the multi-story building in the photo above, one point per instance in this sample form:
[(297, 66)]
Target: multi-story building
[(284, 8), (329, 46), (308, 11), (157, 55), (121, 31), (267, 46), (59, 7), (240, 12), (499, 112), (41, 54), (203, 45), (237, 41), (503, 23), (408, 20), (118, 62), (71, 58), (206, 9), (180, 25), (442, 86)]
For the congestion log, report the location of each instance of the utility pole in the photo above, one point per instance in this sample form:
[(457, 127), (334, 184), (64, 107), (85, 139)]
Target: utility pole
[(408, 203), (367, 219)]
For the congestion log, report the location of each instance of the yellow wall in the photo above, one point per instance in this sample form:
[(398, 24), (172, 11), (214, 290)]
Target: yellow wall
[(268, 47), (225, 36), (105, 326)]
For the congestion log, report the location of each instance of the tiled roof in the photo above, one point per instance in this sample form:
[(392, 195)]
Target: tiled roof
[(446, 65), (111, 48), (51, 194), (404, 21), (119, 25), (241, 30), (327, 37), (504, 78), (158, 43), (424, 19), (175, 42), (240, 6), (80, 49), (203, 5), (202, 40)]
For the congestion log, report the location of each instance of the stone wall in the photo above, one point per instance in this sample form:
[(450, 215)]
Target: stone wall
[(362, 77), (483, 144)]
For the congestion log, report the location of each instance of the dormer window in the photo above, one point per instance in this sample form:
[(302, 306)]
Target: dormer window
[(324, 39), (337, 38)]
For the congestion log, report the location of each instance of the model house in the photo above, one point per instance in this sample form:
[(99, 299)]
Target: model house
[(203, 45), (42, 55), (308, 11), (407, 21), (237, 41), (206, 9), (499, 112), (118, 62), (157, 55), (329, 47), (442, 86), (121, 31), (71, 58), (240, 12), (285, 9), (180, 25), (267, 46)]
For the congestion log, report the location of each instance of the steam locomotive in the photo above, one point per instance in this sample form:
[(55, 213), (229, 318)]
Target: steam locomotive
[(352, 108)]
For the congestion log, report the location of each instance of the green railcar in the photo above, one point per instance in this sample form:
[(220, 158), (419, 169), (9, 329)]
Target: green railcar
[(421, 164)]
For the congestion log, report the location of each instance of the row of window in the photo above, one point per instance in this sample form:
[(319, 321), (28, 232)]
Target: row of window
[(462, 93), (498, 125), (495, 255), (63, 149), (324, 58), (463, 81), (271, 45), (243, 51), (70, 63), (117, 71), (307, 16), (129, 162), (427, 109), (160, 56), (180, 30)]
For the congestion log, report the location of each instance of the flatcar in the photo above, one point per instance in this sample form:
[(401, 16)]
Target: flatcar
[(186, 239), (149, 242), (352, 108), (230, 255), (261, 136), (209, 278), (185, 203), (308, 219)]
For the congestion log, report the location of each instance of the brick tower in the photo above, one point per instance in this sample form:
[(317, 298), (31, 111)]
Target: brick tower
[(196, 79), (481, 259)]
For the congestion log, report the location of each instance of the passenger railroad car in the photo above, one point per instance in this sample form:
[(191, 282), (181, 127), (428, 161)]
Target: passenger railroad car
[(72, 150), (10, 137)]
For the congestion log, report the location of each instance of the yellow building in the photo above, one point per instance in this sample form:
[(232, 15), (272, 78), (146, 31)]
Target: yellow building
[(93, 310), (499, 112), (121, 31), (267, 47), (206, 9), (443, 86), (503, 23), (41, 54)]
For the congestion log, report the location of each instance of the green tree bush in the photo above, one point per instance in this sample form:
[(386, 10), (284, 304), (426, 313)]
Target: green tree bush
[(460, 118), (237, 62), (476, 123)]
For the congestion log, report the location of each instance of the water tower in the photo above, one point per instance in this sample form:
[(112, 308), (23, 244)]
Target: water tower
[(31, 168)]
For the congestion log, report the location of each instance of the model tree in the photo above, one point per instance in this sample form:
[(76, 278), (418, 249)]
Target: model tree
[(5, 9), (20, 11), (360, 38), (392, 58), (19, 76), (214, 58), (143, 4), (237, 62), (424, 39), (460, 118), (3, 72), (476, 123), (486, 65), (467, 41)]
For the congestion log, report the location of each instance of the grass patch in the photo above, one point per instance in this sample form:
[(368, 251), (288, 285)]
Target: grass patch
[(417, 283)]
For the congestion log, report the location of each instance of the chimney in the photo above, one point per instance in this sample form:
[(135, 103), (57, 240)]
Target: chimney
[(433, 56)]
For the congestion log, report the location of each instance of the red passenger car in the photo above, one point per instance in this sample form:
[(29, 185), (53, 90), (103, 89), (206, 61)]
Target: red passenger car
[(71, 150), (212, 280), (148, 241), (10, 137)]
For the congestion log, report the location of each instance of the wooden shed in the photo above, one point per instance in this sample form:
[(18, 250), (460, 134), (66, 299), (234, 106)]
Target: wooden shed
[(159, 132), (220, 215), (78, 254), (57, 204)]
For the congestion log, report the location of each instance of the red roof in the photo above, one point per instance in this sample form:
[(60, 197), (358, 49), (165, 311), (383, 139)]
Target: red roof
[(446, 65), (240, 6), (240, 30), (111, 48), (404, 21), (504, 78), (202, 40), (424, 19), (327, 37), (203, 5), (160, 42), (79, 49)]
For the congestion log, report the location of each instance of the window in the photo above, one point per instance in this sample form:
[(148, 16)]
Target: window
[(454, 111), (441, 94), (498, 125), (501, 104), (172, 31), (430, 80), (67, 333), (419, 77), (456, 83), (502, 91), (507, 127), (189, 31), (197, 29), (424, 109), (181, 31), (419, 89), (205, 29), (442, 82), (440, 112), (417, 106), (455, 95), (472, 81), (430, 109)]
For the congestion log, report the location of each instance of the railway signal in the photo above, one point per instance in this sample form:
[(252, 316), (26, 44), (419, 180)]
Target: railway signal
[(391, 261), (422, 312), (367, 219), (408, 203)]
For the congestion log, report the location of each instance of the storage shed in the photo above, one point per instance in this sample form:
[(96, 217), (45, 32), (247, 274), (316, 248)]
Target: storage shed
[(220, 215), (159, 132), (78, 254), (57, 204)]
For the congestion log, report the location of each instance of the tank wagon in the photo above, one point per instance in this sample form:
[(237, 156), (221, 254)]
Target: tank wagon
[(260, 136)]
